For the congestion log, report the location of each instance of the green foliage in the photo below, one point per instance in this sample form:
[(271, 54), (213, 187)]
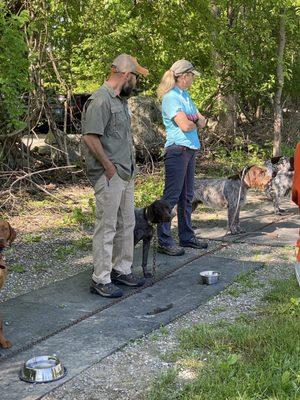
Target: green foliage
[(81, 216), (235, 157), (13, 68), (234, 45), (148, 188)]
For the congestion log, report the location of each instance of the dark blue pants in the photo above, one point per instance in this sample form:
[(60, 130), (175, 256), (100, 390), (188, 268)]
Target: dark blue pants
[(179, 189)]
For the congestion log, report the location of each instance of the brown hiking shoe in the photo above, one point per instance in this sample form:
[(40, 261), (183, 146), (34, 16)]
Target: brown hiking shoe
[(171, 251), (195, 244), (128, 280), (106, 290)]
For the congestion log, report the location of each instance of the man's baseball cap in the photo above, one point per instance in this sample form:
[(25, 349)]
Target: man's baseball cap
[(183, 66), (127, 63)]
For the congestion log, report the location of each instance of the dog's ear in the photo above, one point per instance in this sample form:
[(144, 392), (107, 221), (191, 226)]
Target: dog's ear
[(241, 174), (151, 212), (234, 177), (7, 234), (275, 160), (250, 175)]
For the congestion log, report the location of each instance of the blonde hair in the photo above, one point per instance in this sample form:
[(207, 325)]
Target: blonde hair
[(166, 84)]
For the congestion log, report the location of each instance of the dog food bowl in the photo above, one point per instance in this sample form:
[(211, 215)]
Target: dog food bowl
[(209, 277), (42, 369)]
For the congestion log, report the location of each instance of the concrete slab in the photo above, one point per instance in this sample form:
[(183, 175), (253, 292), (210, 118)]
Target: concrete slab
[(96, 337), (279, 234), (51, 308)]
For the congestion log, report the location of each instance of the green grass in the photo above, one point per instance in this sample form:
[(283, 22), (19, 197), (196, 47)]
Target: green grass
[(62, 252), (252, 359), (246, 281), (84, 243), (31, 238), (19, 268), (40, 267)]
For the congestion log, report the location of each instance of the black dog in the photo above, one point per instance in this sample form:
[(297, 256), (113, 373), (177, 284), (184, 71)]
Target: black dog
[(145, 218)]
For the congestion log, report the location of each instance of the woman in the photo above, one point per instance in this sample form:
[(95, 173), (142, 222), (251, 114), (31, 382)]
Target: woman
[(181, 119)]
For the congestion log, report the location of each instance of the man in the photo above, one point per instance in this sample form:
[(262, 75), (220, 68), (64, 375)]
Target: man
[(111, 168)]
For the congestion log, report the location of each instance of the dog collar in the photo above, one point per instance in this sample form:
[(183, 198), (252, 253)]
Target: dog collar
[(147, 217)]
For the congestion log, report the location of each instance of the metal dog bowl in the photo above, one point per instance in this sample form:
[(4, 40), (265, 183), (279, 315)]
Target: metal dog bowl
[(42, 369), (209, 277)]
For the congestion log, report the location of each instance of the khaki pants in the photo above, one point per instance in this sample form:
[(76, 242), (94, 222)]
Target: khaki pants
[(113, 240)]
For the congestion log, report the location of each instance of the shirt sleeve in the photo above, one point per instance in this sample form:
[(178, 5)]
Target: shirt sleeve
[(96, 116), (171, 105)]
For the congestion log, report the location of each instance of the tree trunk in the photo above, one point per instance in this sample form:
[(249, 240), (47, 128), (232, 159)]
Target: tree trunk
[(227, 102), (280, 81)]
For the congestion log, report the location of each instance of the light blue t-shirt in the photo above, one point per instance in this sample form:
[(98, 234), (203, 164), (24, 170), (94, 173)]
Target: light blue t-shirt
[(174, 101)]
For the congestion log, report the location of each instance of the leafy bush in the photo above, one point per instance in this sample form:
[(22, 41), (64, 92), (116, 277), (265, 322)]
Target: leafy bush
[(148, 188)]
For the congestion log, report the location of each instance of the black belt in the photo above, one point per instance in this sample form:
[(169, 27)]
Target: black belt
[(178, 146)]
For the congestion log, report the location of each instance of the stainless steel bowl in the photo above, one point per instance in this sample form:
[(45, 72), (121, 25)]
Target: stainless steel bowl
[(209, 277), (42, 369)]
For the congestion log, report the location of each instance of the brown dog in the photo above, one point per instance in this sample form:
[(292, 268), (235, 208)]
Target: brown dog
[(7, 236)]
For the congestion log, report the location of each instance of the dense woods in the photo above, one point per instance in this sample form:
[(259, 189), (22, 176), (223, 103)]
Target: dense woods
[(53, 52)]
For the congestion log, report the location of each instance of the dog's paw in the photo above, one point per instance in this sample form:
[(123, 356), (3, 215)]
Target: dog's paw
[(279, 212), (5, 344), (237, 230), (148, 275)]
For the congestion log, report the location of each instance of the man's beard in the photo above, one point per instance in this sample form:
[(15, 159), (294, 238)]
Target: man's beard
[(126, 90)]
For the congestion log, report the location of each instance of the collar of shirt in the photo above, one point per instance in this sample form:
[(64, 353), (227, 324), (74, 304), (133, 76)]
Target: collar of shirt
[(182, 92), (109, 89)]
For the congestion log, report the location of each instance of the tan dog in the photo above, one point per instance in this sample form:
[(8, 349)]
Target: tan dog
[(7, 236)]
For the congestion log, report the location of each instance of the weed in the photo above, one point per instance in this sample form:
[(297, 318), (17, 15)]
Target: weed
[(39, 267), (62, 252), (234, 291), (19, 268), (154, 336), (84, 243), (30, 238), (218, 310), (164, 330)]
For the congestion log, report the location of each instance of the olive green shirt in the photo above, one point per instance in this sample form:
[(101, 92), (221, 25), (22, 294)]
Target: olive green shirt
[(105, 114)]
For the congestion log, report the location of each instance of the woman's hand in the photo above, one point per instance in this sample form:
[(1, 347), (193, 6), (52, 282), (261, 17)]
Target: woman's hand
[(201, 121)]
